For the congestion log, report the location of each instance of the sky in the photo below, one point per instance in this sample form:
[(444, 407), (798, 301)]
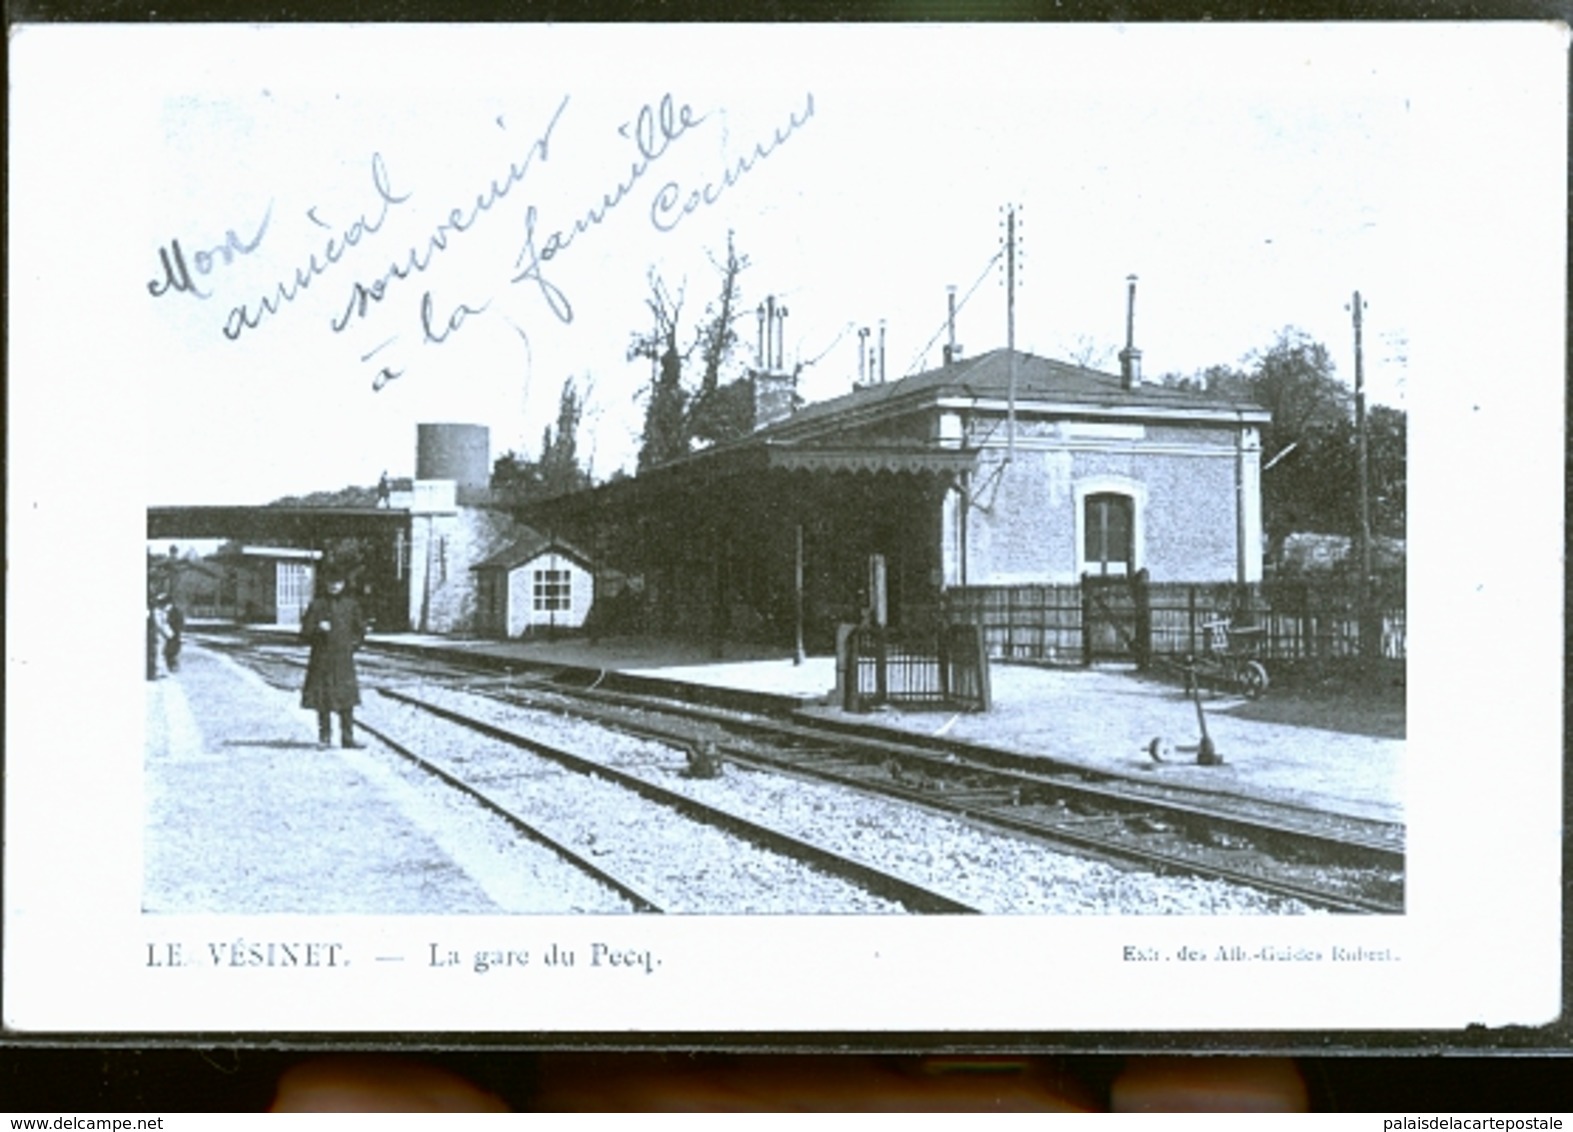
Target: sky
[(1253, 178)]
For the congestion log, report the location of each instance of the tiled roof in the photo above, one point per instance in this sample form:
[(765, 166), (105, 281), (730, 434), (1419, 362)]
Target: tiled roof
[(532, 544), (987, 377)]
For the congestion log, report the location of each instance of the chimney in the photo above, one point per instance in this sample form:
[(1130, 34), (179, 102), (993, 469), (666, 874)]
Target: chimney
[(862, 356), (770, 332), (781, 314), (1130, 357), (952, 350), (882, 351), (775, 396), (771, 352)]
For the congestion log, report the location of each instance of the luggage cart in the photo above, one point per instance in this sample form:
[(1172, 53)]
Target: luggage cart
[(1231, 658)]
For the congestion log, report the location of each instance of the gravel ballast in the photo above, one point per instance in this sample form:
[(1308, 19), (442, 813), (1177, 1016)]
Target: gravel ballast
[(681, 865), (994, 872)]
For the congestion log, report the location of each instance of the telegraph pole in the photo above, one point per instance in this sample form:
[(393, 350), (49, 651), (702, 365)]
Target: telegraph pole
[(1357, 307), (1010, 329), (1370, 619)]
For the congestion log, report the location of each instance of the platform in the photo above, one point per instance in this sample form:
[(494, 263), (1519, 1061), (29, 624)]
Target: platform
[(1103, 719), (1106, 720), (246, 814)]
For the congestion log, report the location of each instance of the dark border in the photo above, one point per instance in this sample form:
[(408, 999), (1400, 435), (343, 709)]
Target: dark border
[(1554, 1040)]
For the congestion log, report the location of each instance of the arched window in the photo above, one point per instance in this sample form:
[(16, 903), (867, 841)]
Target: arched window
[(1109, 526)]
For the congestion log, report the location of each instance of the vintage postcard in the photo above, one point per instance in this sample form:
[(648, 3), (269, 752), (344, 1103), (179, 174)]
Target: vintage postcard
[(785, 530)]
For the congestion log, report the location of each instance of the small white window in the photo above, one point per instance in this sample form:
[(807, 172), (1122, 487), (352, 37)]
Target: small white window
[(553, 591)]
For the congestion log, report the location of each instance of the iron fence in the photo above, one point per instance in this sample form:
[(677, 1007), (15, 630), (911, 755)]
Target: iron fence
[(945, 667), (1299, 619)]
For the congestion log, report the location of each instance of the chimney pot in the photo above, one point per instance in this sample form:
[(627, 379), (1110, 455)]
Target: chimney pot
[(1130, 357), (1130, 368)]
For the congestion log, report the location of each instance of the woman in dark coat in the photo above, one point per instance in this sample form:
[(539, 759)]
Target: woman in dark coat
[(334, 628)]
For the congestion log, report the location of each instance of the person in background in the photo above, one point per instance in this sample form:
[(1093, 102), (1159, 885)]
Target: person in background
[(334, 628), (157, 633), (175, 623)]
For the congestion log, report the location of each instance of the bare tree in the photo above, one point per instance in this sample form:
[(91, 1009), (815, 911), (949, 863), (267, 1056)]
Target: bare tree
[(721, 412), (717, 334), (707, 411), (1089, 353), (664, 433)]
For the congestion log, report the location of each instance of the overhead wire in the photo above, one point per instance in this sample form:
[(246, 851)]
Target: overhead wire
[(962, 302), (842, 333)]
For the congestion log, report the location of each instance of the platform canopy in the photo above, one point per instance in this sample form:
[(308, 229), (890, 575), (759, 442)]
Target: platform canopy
[(907, 459), (745, 468), (764, 539)]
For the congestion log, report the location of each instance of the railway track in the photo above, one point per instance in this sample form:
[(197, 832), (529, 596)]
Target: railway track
[(490, 779), (1343, 865), (1358, 871)]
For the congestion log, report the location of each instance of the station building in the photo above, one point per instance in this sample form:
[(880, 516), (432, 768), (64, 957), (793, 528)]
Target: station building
[(884, 506), (1000, 470)]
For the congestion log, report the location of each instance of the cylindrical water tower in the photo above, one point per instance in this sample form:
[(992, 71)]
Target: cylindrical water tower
[(458, 452)]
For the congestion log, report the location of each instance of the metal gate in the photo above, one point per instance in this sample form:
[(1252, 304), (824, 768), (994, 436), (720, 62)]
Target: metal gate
[(1116, 618), (944, 668)]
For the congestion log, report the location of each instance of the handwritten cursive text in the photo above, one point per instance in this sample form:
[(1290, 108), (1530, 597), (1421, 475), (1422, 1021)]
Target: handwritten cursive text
[(177, 276), (243, 318), (439, 334), (653, 131), (458, 221), (671, 204)]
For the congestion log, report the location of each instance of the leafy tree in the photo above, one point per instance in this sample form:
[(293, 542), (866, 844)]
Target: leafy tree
[(665, 432), (352, 496), (1315, 486), (1310, 481), (560, 470), (1222, 381), (725, 413), (1387, 447), (1293, 379), (518, 478)]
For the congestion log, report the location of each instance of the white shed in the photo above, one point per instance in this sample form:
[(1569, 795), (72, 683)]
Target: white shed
[(268, 584), (536, 584)]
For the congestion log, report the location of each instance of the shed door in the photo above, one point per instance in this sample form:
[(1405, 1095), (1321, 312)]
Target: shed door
[(294, 591)]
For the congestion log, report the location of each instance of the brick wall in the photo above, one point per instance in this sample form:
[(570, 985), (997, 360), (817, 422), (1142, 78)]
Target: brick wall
[(1023, 526)]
